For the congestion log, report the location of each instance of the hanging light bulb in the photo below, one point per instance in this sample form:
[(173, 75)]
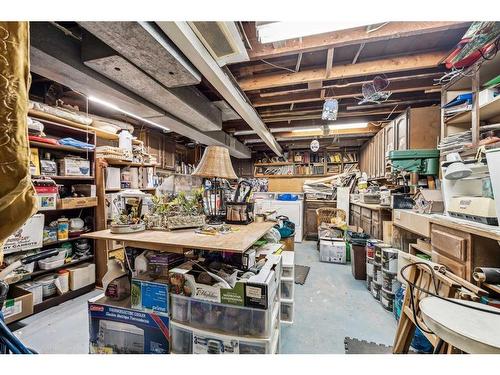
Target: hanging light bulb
[(330, 110)]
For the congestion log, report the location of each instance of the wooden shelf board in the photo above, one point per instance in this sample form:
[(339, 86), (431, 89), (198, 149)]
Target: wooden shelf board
[(67, 177), (486, 112), (66, 265), (493, 287), (59, 147), (295, 175), (128, 163)]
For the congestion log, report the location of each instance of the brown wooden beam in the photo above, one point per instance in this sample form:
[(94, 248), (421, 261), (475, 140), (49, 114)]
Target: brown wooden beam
[(407, 77), (395, 64), (329, 62), (392, 30), (340, 115), (351, 92)]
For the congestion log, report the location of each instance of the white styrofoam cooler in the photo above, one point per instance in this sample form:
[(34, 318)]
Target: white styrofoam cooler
[(332, 251)]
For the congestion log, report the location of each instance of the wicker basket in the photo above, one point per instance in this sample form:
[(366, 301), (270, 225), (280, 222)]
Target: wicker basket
[(326, 214)]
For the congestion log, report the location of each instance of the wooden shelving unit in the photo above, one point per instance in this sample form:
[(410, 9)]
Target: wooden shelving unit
[(472, 80), (55, 128), (322, 161)]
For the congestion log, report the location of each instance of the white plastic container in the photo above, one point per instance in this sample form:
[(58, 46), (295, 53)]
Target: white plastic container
[(286, 314), (53, 261), (222, 319), (287, 289), (48, 285), (81, 276), (493, 158), (35, 288), (125, 140), (332, 251), (186, 340)]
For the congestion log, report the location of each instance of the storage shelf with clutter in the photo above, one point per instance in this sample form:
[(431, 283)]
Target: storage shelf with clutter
[(62, 171)]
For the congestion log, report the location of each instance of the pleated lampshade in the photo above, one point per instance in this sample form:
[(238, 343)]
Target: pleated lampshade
[(215, 162)]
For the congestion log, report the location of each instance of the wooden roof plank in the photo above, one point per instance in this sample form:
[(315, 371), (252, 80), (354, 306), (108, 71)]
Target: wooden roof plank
[(344, 37), (395, 64)]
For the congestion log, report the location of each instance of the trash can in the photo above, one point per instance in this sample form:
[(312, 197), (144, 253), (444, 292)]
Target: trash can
[(357, 243)]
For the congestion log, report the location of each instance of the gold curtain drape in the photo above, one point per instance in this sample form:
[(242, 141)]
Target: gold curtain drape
[(17, 195)]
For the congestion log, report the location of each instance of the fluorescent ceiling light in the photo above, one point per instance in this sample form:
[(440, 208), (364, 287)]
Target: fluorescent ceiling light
[(118, 109), (357, 125), (306, 130), (276, 31)]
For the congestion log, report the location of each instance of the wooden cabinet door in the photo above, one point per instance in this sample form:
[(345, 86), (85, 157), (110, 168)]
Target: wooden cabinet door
[(311, 229), (168, 159), (366, 225), (401, 130), (389, 137)]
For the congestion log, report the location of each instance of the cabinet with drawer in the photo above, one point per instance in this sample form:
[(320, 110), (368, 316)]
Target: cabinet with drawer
[(461, 251)]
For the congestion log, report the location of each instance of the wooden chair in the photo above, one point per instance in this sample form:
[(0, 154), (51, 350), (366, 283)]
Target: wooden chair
[(448, 285)]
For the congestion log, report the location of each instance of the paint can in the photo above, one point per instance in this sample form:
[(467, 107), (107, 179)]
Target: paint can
[(369, 281), (390, 282), (376, 291), (390, 260), (377, 274), (369, 267), (379, 246), (370, 248), (387, 300)]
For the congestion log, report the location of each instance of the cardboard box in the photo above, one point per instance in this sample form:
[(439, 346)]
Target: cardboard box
[(257, 291), (81, 276), (74, 167), (414, 222), (113, 178), (47, 197), (81, 202), (87, 190), (150, 295), (332, 251), (34, 162), (29, 236), (114, 327), (18, 305)]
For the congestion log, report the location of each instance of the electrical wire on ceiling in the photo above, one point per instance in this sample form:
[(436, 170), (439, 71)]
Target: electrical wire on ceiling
[(277, 66)]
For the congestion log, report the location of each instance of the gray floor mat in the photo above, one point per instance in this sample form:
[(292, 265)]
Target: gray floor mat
[(355, 346), (301, 273)]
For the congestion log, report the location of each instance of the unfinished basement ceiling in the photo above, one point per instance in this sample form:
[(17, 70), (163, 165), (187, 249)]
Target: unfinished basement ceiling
[(287, 82), (56, 53)]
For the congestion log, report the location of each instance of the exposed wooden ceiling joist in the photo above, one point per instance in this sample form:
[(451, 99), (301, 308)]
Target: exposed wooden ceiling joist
[(350, 92), (344, 37), (329, 62), (347, 83), (386, 65)]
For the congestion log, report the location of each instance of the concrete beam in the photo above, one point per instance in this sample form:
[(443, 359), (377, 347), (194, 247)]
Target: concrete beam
[(184, 37), (57, 57), (187, 103)]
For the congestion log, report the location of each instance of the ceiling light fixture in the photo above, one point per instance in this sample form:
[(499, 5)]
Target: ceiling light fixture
[(118, 109), (304, 130), (268, 32), (356, 125)]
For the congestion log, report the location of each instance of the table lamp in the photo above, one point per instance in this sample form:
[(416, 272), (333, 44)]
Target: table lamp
[(215, 165)]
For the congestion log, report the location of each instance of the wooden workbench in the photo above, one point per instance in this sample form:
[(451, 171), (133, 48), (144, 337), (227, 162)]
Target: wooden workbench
[(177, 241)]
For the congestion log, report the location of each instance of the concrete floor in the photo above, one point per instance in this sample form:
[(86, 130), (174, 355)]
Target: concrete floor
[(328, 307)]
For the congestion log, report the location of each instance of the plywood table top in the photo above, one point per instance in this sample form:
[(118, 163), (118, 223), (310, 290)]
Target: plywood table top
[(176, 241)]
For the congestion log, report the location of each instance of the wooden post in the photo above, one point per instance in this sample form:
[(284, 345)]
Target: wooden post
[(444, 132), (475, 108)]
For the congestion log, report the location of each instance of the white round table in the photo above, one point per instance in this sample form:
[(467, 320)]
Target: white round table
[(469, 330)]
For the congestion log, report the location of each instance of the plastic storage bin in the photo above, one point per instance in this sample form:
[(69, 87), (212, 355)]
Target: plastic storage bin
[(287, 289), (186, 340), (53, 261), (225, 319), (286, 314)]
